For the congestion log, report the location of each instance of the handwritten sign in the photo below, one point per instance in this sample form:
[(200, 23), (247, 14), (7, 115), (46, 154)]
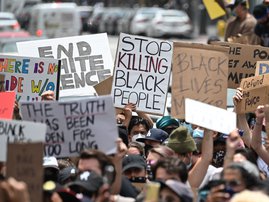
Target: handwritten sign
[(29, 77), (24, 163), (199, 72), (86, 60), (262, 67), (242, 61), (255, 93), (210, 117), (19, 131), (75, 125), (214, 9), (7, 104), (141, 74)]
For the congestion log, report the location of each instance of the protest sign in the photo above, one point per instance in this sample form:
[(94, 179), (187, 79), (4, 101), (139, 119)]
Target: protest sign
[(255, 93), (7, 104), (242, 61), (142, 72), (199, 72), (262, 67), (86, 60), (19, 131), (29, 77), (209, 116), (214, 9), (24, 163), (75, 125), (104, 87)]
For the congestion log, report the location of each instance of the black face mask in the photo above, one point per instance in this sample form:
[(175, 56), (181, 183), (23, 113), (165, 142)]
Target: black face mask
[(218, 158), (147, 148)]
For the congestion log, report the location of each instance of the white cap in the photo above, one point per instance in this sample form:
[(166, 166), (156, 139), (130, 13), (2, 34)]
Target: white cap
[(50, 162)]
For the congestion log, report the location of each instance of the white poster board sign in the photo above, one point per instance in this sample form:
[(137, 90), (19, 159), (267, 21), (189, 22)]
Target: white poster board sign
[(210, 117), (29, 77), (75, 125), (142, 73), (19, 131), (86, 60)]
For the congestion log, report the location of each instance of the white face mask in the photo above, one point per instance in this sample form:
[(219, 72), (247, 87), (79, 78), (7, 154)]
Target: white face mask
[(136, 136)]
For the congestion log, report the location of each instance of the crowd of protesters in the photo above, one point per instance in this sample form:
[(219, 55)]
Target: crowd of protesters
[(170, 160)]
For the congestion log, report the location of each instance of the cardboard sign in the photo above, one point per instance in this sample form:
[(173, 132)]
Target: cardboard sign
[(75, 125), (86, 60), (29, 77), (210, 117), (142, 72), (104, 87), (19, 131), (24, 163), (214, 9), (262, 67), (242, 61), (255, 93), (7, 105), (199, 72)]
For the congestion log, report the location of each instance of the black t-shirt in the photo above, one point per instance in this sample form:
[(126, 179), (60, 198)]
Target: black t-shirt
[(262, 30), (127, 189)]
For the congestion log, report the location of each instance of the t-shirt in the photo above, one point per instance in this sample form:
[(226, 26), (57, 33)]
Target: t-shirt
[(246, 27)]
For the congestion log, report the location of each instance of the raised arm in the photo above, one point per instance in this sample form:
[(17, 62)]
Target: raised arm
[(199, 170)]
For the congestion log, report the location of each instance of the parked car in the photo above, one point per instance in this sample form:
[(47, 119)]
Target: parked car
[(169, 23), (9, 22), (85, 13), (94, 20), (55, 20), (124, 23), (141, 20)]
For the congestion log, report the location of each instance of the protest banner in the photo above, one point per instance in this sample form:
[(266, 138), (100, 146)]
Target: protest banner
[(29, 77), (214, 9), (24, 163), (255, 93), (19, 131), (199, 72), (7, 104), (86, 60), (242, 61), (142, 72), (210, 117), (262, 67), (75, 125)]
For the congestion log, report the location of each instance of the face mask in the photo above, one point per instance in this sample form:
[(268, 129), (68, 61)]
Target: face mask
[(218, 158), (136, 136), (198, 133)]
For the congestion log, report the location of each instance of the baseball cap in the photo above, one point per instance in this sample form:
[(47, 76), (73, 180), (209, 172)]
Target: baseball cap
[(50, 162), (66, 174), (90, 181), (133, 161), (154, 134), (180, 189)]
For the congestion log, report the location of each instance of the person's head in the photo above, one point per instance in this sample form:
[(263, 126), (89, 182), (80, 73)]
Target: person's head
[(239, 8), (176, 191), (134, 167), (51, 168), (167, 123), (154, 138), (240, 176), (135, 148), (243, 154), (95, 160), (183, 144), (86, 183), (67, 174), (138, 127), (158, 153), (250, 196), (260, 12), (170, 168)]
